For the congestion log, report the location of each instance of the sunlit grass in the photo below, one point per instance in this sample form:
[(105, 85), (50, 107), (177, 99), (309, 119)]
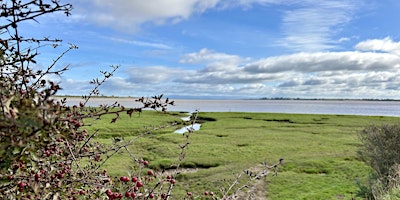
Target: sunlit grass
[(319, 151)]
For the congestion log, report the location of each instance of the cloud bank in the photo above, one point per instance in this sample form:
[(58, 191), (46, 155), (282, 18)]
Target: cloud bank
[(370, 71)]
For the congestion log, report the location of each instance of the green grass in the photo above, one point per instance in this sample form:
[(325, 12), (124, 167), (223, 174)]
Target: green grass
[(319, 151)]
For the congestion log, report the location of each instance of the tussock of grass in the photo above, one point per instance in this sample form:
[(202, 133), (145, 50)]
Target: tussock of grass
[(201, 119)]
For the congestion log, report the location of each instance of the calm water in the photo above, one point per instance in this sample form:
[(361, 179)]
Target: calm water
[(346, 107)]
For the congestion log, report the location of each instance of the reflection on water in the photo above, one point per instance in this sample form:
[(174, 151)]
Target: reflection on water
[(186, 119), (345, 107), (195, 127)]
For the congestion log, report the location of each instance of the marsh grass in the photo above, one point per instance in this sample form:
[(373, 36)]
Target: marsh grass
[(319, 151)]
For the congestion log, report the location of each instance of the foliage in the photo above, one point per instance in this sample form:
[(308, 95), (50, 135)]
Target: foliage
[(46, 152), (380, 149)]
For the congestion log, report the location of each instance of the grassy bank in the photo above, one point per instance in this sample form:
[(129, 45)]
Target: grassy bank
[(319, 151)]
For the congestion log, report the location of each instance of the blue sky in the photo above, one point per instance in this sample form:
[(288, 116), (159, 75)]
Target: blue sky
[(230, 48)]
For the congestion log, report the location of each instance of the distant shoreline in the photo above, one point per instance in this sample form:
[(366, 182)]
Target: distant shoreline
[(275, 98), (105, 97), (328, 99)]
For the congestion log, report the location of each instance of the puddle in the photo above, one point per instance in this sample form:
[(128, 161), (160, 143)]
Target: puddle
[(195, 126), (183, 130), (186, 119)]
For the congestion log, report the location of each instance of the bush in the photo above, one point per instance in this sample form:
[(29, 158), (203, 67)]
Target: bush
[(45, 150), (392, 191), (380, 149)]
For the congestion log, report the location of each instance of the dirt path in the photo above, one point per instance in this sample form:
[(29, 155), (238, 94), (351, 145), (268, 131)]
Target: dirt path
[(255, 191)]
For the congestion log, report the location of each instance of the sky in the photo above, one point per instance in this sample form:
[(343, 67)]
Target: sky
[(229, 49)]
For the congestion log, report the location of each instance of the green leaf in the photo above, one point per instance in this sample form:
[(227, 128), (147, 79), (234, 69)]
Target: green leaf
[(33, 156), (16, 151)]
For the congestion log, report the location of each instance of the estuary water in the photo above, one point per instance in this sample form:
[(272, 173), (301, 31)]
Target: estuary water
[(337, 107)]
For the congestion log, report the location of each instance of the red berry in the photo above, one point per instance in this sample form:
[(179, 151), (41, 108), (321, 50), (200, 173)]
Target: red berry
[(151, 195), (21, 184), (211, 193), (124, 179), (116, 195), (150, 173), (37, 177), (82, 192), (139, 184), (172, 181), (163, 196), (135, 189), (133, 195), (206, 193), (189, 193), (10, 177), (97, 158), (134, 179), (127, 194), (145, 162)]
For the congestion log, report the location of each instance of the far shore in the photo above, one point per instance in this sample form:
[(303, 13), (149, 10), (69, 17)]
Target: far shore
[(213, 98)]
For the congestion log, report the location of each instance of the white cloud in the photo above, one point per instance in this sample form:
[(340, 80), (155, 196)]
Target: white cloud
[(312, 25), (213, 61), (329, 61), (343, 39), (157, 45), (74, 87), (129, 15), (206, 55), (384, 45), (154, 74)]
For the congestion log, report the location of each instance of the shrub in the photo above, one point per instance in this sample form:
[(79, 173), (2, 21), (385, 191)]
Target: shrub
[(45, 150), (380, 149)]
